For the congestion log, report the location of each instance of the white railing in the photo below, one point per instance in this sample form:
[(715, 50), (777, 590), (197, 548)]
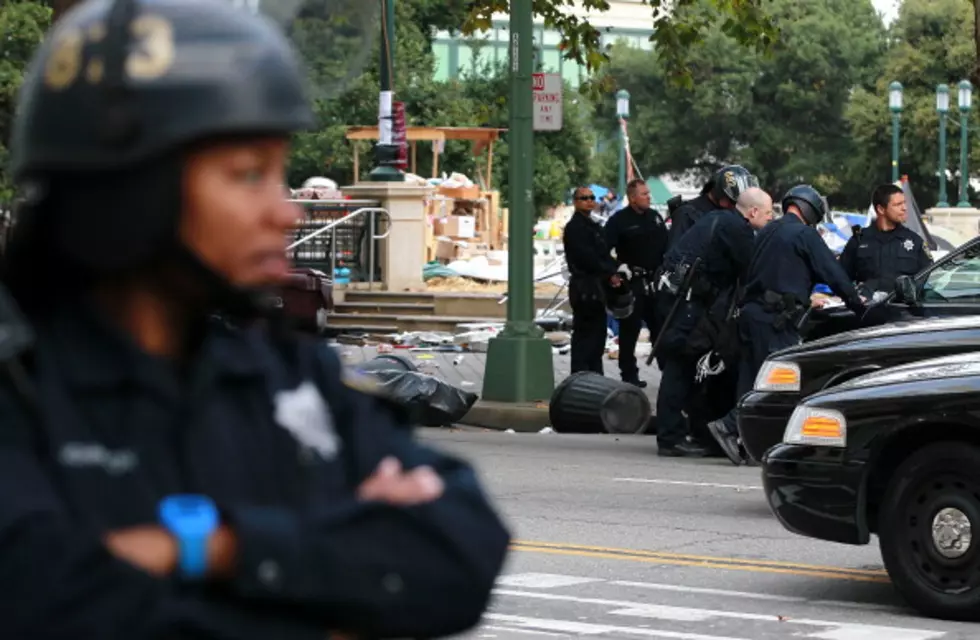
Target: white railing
[(331, 227)]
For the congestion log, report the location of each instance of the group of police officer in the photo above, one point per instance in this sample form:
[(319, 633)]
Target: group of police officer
[(721, 290)]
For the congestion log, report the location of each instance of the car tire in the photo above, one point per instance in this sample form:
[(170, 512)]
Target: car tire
[(936, 488)]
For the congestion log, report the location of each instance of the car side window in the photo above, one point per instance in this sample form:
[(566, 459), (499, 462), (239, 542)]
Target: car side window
[(957, 280)]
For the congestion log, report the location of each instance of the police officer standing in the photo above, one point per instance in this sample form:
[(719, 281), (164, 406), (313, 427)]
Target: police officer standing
[(874, 257), (789, 257), (698, 281), (166, 475), (711, 198), (592, 270), (639, 236)]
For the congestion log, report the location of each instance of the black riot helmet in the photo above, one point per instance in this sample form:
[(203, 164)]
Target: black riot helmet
[(809, 201), (114, 99), (730, 181), (619, 300)]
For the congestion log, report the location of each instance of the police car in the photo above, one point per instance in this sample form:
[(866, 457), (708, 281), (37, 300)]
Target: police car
[(895, 453)]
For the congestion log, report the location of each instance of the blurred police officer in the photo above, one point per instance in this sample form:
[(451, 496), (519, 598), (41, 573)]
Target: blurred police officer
[(788, 258), (717, 248), (167, 476), (876, 256), (638, 235), (592, 270), (713, 196)]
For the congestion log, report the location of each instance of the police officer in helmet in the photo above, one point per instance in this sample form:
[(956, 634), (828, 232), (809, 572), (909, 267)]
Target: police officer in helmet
[(169, 476), (716, 194), (788, 259), (696, 287)]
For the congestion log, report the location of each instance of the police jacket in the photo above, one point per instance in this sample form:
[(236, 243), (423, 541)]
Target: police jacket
[(586, 252), (723, 239), (875, 258), (789, 257), (280, 438), (639, 238), (686, 215)]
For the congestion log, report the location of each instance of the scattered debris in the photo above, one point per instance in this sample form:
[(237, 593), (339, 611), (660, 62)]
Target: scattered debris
[(547, 430)]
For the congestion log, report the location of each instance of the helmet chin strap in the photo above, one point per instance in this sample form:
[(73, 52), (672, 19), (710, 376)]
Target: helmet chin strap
[(220, 294)]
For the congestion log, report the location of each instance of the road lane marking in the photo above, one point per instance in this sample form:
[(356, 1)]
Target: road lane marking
[(884, 608), (530, 632), (543, 580), (836, 631), (688, 483), (708, 562), (588, 628)]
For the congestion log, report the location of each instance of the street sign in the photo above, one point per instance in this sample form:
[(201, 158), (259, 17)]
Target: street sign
[(547, 90)]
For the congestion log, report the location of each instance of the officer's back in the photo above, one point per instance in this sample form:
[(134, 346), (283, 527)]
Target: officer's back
[(166, 475)]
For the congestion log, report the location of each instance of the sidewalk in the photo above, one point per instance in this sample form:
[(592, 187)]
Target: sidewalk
[(465, 370)]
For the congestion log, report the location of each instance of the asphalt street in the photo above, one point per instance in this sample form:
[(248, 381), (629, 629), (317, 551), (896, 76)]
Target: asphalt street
[(612, 541)]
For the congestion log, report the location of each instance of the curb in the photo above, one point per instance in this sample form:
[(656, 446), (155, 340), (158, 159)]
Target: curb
[(522, 417)]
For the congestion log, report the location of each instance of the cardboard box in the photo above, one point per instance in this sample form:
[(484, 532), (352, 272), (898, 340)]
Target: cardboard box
[(446, 249), (460, 226), (460, 193)]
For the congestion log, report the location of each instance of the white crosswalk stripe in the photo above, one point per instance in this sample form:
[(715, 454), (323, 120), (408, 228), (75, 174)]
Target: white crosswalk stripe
[(557, 605)]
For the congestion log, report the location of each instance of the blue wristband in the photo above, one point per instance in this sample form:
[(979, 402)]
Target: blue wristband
[(191, 519)]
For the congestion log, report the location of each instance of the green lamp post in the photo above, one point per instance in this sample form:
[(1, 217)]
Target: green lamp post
[(386, 153), (895, 104), (520, 365), (622, 113), (942, 107), (966, 97)]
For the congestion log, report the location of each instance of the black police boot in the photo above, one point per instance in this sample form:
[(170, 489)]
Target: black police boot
[(636, 382), (682, 450), (726, 440)]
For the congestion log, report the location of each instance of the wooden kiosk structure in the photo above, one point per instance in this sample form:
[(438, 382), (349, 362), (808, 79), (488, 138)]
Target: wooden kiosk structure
[(461, 221)]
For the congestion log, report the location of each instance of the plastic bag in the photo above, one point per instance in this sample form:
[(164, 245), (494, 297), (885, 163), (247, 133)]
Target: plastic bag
[(432, 402)]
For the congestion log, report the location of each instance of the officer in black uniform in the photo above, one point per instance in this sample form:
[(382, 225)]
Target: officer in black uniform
[(592, 269), (711, 198), (168, 476), (789, 257), (639, 237), (876, 256), (718, 248)]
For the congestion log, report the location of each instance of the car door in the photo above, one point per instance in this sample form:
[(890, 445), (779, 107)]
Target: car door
[(951, 287)]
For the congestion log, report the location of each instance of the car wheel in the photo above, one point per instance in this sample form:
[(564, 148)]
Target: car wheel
[(928, 518)]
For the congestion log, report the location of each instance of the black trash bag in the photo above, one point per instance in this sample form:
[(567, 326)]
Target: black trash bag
[(430, 401)]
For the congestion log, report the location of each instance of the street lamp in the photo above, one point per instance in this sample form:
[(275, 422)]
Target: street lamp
[(966, 96), (942, 107), (386, 152), (895, 104), (622, 113)]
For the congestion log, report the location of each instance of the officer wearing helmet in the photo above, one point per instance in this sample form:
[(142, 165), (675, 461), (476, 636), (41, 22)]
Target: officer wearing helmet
[(169, 476), (715, 194), (788, 259), (696, 284)]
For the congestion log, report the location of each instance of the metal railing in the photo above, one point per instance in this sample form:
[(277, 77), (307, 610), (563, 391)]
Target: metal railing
[(331, 228)]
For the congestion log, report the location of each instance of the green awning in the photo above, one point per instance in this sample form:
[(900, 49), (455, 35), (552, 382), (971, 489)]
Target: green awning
[(659, 193)]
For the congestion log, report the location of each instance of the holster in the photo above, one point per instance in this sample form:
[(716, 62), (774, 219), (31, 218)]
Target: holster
[(785, 306)]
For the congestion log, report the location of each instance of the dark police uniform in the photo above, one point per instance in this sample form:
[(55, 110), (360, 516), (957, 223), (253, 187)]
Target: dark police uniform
[(873, 258), (279, 437), (591, 266), (266, 426), (723, 240), (687, 214), (789, 258), (640, 240)]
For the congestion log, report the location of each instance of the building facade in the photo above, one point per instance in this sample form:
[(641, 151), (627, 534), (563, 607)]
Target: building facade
[(626, 20)]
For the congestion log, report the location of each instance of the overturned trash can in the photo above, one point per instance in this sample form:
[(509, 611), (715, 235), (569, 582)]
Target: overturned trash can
[(586, 402)]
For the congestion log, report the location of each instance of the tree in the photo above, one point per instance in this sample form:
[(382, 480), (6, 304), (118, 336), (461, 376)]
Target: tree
[(931, 43), (782, 115), (22, 23)]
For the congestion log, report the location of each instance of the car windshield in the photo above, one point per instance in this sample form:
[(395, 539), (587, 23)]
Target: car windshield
[(955, 281)]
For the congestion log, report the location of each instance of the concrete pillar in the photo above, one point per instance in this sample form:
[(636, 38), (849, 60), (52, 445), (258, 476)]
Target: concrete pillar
[(403, 251), (961, 219)]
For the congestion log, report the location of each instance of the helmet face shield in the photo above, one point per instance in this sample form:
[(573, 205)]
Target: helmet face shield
[(734, 180)]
